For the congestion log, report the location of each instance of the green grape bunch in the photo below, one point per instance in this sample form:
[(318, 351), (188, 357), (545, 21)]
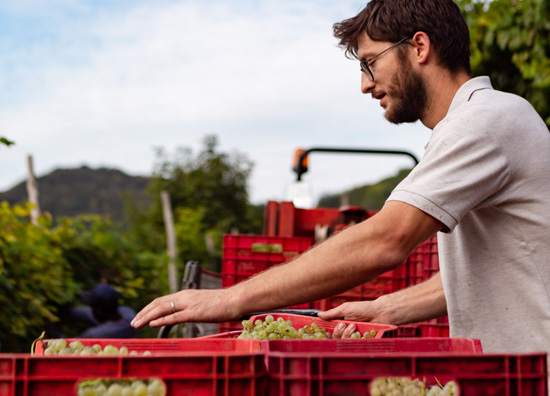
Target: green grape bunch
[(122, 387), (75, 348), (406, 386), (281, 329)]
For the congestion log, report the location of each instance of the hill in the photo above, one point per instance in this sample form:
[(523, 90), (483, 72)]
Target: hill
[(103, 191), (370, 197), (71, 192)]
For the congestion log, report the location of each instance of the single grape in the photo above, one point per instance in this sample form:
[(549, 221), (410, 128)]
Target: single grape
[(123, 351), (101, 389), (156, 388), (114, 389), (137, 383), (269, 319), (110, 350), (127, 391), (140, 389), (59, 344), (97, 348), (87, 351), (65, 351), (76, 345)]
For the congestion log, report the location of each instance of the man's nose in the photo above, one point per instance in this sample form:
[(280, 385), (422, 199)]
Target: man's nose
[(366, 84)]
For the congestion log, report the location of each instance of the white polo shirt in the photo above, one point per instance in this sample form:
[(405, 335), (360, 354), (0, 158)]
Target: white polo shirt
[(486, 176)]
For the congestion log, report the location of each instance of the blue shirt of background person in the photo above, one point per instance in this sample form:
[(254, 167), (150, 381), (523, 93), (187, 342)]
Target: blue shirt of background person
[(107, 317)]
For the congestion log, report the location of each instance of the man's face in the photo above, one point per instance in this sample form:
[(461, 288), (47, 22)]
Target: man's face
[(400, 89)]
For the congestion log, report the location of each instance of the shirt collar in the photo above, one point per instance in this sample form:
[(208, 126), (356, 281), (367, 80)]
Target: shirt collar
[(465, 92)]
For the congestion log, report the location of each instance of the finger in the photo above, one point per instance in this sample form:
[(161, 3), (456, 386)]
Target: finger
[(331, 314), (339, 330), (158, 308), (349, 331)]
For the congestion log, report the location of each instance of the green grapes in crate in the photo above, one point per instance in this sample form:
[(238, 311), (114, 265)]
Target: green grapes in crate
[(406, 386), (281, 329), (75, 348), (126, 387)]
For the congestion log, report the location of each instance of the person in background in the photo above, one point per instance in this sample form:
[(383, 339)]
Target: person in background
[(483, 185), (107, 318)]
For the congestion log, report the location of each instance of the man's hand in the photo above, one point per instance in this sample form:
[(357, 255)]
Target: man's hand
[(203, 305), (413, 304), (363, 311)]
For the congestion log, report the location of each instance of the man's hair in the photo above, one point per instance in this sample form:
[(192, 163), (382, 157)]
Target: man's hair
[(393, 20)]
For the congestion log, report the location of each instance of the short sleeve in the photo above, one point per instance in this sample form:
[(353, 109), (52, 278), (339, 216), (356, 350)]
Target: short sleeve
[(460, 171)]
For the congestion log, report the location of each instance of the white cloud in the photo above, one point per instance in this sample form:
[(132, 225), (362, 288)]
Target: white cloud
[(266, 77)]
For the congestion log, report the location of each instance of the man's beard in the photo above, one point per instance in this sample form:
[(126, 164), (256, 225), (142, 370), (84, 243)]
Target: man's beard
[(409, 94)]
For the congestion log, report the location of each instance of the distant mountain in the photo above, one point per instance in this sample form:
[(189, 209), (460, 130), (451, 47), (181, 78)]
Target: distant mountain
[(370, 197), (71, 192)]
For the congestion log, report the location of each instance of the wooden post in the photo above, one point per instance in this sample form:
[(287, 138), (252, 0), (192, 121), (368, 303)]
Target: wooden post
[(32, 192), (170, 241)]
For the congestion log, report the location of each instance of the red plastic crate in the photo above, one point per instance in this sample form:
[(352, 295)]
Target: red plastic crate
[(430, 328), (423, 262), (225, 327), (246, 255), (386, 283), (456, 345), (331, 374), (203, 372), (168, 345)]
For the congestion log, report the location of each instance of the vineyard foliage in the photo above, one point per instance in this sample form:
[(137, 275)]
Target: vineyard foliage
[(510, 42), (43, 269)]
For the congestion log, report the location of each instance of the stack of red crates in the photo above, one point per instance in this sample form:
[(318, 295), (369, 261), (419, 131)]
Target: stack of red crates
[(246, 255)]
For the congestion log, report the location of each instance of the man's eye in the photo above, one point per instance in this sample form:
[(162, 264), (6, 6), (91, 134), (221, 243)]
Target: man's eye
[(371, 64)]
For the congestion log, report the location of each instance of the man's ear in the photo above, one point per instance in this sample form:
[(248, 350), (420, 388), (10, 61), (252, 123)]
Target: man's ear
[(422, 47)]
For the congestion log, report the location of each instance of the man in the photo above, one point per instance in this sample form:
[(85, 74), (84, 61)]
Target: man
[(107, 318), (483, 184)]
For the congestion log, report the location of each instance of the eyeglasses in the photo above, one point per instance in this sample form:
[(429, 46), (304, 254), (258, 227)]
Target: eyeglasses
[(365, 64)]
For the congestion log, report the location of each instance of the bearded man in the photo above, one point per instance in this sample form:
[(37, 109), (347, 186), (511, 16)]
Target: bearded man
[(483, 185)]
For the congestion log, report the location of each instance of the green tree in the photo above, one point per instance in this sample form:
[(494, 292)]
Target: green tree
[(510, 42), (211, 179), (208, 192)]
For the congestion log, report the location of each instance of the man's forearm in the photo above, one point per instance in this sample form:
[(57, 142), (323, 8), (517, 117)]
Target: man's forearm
[(415, 304), (350, 258)]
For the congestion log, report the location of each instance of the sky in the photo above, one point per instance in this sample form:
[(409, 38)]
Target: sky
[(103, 83)]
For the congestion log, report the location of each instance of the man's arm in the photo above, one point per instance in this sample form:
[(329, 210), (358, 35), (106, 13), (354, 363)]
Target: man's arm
[(352, 257), (413, 304)]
